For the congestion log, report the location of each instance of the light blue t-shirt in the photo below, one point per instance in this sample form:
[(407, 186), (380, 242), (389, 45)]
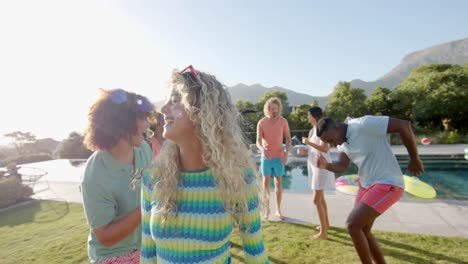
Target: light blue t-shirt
[(107, 195), (367, 147)]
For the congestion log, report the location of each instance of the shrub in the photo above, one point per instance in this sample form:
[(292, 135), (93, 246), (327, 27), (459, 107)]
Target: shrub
[(12, 191), (394, 139), (451, 137)]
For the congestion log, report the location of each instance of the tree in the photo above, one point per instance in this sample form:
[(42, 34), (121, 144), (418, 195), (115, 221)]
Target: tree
[(250, 117), (380, 102), (242, 105), (21, 138), (346, 101), (315, 103), (73, 148), (404, 100), (281, 95), (298, 118), (439, 94)]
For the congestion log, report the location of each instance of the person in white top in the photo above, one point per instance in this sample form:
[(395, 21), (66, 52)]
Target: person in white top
[(320, 179), (364, 141)]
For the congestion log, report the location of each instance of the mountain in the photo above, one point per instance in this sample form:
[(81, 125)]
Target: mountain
[(254, 92), (455, 52)]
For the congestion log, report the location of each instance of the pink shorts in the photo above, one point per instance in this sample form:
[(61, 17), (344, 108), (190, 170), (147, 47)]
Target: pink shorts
[(130, 258), (379, 196)]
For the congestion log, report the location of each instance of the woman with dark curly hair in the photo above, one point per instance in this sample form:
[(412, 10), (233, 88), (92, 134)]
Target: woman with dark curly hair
[(116, 123)]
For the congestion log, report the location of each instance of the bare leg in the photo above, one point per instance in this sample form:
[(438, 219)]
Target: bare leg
[(266, 185), (279, 194), (373, 244), (326, 211), (318, 201), (326, 214), (360, 217)]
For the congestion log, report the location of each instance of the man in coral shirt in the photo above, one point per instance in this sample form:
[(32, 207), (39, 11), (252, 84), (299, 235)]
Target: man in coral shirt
[(270, 133)]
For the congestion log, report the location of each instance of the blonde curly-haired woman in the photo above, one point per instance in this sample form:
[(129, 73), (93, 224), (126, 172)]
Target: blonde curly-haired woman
[(202, 185)]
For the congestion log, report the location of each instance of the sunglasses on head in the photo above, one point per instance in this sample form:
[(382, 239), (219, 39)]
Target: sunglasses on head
[(120, 96), (192, 70)]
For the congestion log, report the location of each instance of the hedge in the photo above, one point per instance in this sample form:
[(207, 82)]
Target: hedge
[(12, 191)]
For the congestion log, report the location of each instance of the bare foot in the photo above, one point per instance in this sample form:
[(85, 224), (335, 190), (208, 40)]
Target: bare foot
[(265, 217), (319, 236), (279, 216), (319, 227)]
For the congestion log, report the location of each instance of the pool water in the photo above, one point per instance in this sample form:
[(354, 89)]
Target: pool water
[(447, 174), (59, 170)]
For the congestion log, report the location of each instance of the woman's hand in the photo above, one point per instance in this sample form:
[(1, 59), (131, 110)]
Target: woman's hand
[(305, 140)]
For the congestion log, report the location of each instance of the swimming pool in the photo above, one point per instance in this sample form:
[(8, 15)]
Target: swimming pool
[(447, 174), (59, 170)]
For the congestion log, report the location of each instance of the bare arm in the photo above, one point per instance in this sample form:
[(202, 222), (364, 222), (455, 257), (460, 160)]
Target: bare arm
[(403, 128), (323, 147), (119, 229), (259, 140), (264, 152), (287, 136), (339, 166)]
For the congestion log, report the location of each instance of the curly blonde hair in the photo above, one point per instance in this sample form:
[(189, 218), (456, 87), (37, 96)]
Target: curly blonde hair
[(224, 149), (272, 100)]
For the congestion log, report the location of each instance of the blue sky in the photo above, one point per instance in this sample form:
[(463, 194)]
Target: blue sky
[(301, 45), (63, 51)]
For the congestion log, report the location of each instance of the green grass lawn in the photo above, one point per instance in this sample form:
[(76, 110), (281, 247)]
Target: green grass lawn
[(56, 232)]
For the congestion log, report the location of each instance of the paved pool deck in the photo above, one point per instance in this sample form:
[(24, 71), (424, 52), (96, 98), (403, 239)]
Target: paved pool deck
[(436, 217)]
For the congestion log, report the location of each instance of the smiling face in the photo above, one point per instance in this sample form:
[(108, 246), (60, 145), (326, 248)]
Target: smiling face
[(177, 124), (159, 125)]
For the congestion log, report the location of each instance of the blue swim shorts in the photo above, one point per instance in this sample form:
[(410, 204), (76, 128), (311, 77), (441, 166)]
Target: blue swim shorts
[(273, 167)]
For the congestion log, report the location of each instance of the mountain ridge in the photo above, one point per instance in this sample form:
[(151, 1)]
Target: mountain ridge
[(454, 52)]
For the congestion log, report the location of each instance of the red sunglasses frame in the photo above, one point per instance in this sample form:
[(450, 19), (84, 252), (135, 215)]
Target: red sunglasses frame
[(192, 70)]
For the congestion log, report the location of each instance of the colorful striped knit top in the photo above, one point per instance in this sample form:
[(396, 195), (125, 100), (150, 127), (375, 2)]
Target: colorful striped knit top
[(200, 232)]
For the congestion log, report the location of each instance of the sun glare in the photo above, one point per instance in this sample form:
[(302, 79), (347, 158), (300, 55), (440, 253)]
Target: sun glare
[(57, 55)]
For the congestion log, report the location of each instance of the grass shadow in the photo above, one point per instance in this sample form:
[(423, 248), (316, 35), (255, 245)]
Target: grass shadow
[(35, 212), (241, 259), (395, 249), (19, 215), (431, 255)]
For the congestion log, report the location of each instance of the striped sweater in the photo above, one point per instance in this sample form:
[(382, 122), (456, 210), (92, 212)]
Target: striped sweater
[(200, 232)]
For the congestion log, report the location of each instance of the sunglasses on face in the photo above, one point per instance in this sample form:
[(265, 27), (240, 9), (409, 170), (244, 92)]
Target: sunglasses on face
[(121, 96)]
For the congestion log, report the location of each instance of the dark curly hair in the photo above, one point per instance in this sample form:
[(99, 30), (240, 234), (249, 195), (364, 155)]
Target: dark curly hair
[(109, 121)]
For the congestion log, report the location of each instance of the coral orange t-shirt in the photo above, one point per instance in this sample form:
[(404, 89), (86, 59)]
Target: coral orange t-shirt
[(272, 135)]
